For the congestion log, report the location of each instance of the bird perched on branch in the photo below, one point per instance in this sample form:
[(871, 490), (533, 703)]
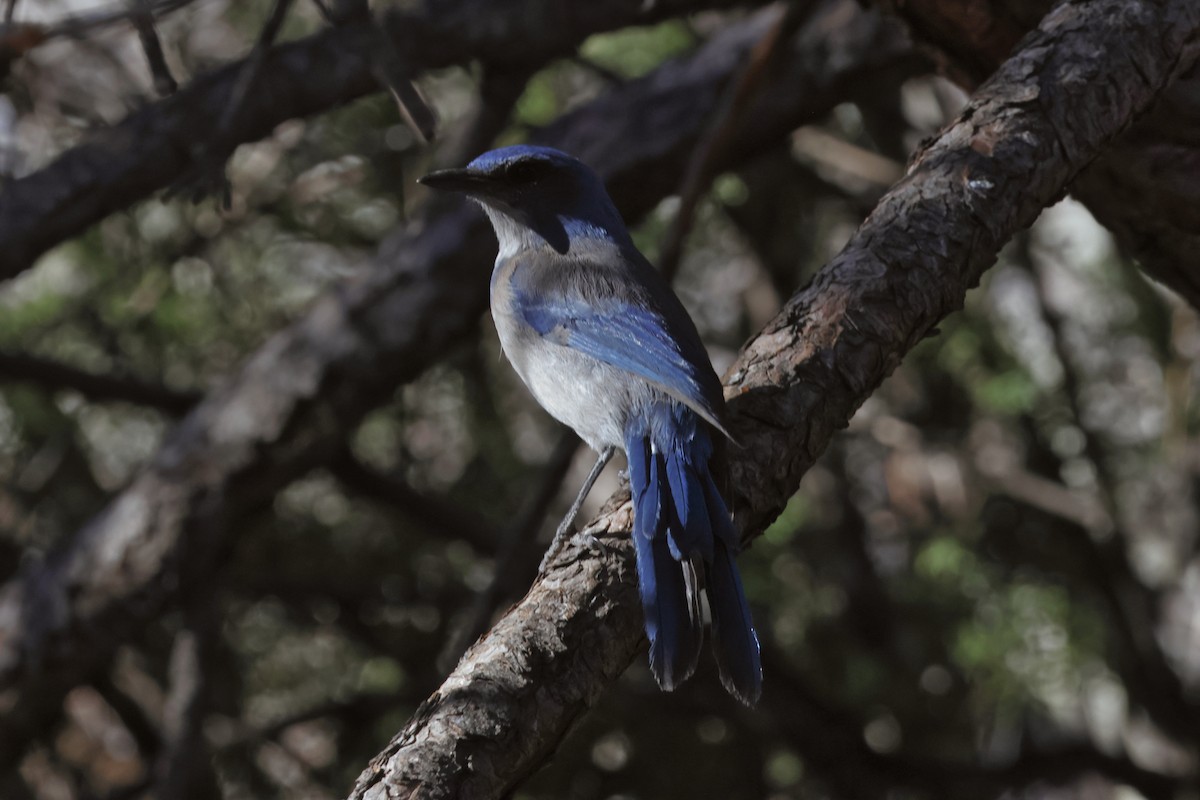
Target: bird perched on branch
[(607, 348)]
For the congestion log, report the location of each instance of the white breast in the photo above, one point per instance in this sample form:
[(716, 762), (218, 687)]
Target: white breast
[(582, 392)]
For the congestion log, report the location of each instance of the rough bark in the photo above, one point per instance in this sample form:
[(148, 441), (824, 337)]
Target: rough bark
[(184, 135), (293, 403), (1073, 85), (1145, 187)]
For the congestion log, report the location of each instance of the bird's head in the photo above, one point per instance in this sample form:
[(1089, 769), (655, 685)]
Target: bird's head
[(536, 193)]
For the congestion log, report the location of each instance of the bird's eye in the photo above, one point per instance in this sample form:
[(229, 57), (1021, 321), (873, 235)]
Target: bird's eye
[(524, 171)]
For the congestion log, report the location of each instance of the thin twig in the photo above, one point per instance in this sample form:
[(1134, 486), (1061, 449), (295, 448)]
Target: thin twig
[(17, 39), (210, 156), (725, 125), (249, 72), (326, 14), (393, 73), (185, 765), (442, 518), (360, 708), (78, 26), (164, 81), (144, 731)]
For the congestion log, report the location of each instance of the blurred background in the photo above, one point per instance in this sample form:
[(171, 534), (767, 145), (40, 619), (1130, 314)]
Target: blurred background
[(988, 587)]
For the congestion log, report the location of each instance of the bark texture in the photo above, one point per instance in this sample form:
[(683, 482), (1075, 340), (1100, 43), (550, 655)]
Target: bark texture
[(1074, 84), (1145, 187)]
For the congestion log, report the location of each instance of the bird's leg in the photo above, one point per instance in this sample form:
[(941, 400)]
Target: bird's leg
[(564, 528), (605, 456)]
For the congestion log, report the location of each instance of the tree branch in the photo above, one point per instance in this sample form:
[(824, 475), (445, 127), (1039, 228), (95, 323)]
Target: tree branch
[(143, 22), (1028, 131), (698, 175), (155, 147), (184, 767), (432, 513), (25, 368), (249, 70), (1145, 187)]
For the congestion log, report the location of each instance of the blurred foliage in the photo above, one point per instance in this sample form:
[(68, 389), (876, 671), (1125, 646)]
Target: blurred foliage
[(933, 583)]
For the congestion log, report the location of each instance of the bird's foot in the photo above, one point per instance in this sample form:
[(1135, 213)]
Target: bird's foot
[(593, 542)]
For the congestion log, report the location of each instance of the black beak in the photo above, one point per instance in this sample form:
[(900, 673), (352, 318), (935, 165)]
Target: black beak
[(454, 180)]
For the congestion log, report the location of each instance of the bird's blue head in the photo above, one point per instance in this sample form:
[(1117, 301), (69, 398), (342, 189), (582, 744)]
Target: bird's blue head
[(527, 189)]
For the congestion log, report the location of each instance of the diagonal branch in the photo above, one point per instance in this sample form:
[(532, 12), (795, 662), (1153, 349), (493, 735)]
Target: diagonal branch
[(1145, 187), (518, 690), (18, 38), (143, 23), (210, 154), (698, 175), (447, 519), (155, 147)]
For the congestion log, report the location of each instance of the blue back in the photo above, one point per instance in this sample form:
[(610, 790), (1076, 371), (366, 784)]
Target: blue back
[(621, 312)]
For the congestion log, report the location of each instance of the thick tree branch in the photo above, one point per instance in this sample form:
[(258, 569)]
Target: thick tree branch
[(1145, 187), (155, 147), (294, 401), (24, 368), (1072, 87)]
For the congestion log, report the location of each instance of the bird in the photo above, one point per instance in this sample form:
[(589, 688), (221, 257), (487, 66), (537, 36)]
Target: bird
[(606, 347)]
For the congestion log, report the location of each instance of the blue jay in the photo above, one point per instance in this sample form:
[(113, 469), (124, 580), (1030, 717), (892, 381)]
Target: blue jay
[(606, 347)]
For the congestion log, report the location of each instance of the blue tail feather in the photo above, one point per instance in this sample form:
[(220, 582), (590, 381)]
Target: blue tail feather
[(670, 600), (643, 482), (673, 622), (682, 525), (734, 641), (690, 532)]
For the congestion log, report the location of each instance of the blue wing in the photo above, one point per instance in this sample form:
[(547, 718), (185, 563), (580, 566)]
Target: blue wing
[(628, 324)]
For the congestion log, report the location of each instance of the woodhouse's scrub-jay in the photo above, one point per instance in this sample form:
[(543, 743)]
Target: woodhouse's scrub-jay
[(607, 348)]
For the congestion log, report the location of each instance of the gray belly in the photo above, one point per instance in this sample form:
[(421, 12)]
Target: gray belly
[(589, 396)]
